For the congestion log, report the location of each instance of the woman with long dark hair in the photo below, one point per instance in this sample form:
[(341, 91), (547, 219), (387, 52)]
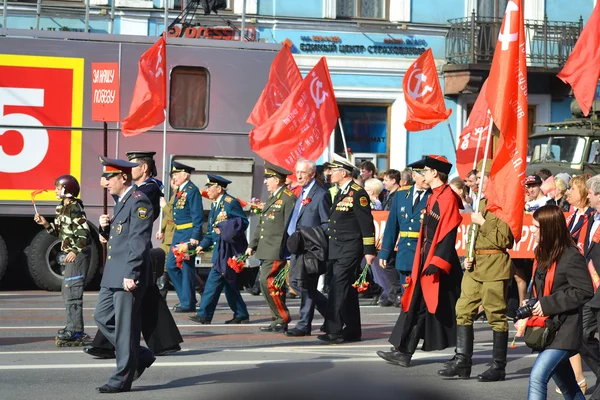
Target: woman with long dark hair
[(562, 285)]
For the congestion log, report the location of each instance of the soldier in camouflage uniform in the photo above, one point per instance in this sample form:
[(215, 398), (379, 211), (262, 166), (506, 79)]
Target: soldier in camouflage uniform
[(70, 225)]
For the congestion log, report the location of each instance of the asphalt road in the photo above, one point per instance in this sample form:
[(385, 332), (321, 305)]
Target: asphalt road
[(237, 361)]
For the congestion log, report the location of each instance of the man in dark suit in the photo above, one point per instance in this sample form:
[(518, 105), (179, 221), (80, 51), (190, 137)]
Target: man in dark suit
[(311, 210), (351, 237), (127, 274), (590, 349)]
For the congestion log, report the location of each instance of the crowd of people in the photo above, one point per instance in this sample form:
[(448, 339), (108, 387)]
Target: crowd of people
[(315, 238)]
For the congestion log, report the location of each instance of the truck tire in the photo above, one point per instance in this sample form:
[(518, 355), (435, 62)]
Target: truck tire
[(45, 260), (3, 258)]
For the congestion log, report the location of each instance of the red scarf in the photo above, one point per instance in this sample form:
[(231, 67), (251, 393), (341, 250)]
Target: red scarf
[(548, 282), (581, 231)]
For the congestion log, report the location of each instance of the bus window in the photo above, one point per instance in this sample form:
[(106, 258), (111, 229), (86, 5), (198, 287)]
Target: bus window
[(188, 106)]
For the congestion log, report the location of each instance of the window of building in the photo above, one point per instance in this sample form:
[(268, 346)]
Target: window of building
[(491, 8), (376, 9), (182, 4), (188, 102)]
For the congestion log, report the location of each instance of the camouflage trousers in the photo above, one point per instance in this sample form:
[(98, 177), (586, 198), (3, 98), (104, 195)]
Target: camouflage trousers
[(72, 289)]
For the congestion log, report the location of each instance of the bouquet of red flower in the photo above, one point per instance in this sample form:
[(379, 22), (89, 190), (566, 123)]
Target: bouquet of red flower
[(361, 284), (237, 263), (182, 253), (275, 286)]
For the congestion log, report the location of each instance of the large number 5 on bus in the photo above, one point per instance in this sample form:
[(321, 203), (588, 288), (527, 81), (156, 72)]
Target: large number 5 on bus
[(35, 141)]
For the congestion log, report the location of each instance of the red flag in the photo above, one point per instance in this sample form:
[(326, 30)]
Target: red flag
[(472, 139), (150, 93), (301, 127), (284, 77), (423, 95), (583, 66), (507, 99)]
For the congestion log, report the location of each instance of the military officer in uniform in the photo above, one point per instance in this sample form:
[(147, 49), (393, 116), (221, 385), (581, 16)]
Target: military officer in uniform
[(351, 237), (227, 224), (269, 242), (484, 282), (165, 235), (403, 224), (188, 216), (127, 274)]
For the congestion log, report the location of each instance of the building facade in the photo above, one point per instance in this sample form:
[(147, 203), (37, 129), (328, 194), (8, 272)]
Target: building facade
[(369, 45)]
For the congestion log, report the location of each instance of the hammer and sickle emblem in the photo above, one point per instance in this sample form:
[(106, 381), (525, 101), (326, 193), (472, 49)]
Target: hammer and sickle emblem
[(317, 92), (416, 92)]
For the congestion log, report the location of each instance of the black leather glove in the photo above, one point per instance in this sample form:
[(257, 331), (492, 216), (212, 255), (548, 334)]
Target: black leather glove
[(432, 269)]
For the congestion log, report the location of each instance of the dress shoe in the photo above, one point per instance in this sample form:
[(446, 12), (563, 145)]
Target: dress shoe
[(170, 350), (395, 357), (140, 370), (375, 300), (110, 389), (329, 338), (98, 352), (385, 303), (296, 333), (199, 319), (277, 328), (179, 309), (236, 320)]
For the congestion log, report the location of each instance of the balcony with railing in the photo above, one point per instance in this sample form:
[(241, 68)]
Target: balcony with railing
[(472, 40)]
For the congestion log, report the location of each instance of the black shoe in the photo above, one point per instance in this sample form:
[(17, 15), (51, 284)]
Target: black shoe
[(375, 300), (386, 303), (236, 320), (396, 357), (199, 319), (277, 328), (140, 370), (329, 338), (179, 309), (170, 350), (98, 352), (297, 333), (110, 389)]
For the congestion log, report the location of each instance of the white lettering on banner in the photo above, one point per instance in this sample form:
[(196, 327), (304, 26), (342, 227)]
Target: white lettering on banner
[(103, 75), (526, 244), (35, 141), (104, 96), (416, 92), (506, 37), (159, 70), (317, 92)]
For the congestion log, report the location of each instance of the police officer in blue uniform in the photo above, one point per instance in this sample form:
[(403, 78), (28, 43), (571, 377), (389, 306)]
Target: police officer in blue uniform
[(227, 224), (127, 275), (188, 216), (404, 220)]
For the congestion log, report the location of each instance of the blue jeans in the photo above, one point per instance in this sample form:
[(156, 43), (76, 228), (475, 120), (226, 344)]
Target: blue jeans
[(553, 363)]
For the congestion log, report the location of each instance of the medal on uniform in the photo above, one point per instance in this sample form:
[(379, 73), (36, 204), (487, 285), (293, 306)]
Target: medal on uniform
[(119, 229)]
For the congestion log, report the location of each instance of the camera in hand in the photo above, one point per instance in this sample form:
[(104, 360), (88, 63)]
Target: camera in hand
[(525, 311)]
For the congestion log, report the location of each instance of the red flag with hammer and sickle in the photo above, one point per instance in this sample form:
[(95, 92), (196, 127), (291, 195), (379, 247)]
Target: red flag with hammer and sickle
[(507, 100), (423, 95), (302, 126)]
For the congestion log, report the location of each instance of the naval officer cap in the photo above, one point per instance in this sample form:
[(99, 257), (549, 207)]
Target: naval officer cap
[(113, 166), (439, 163), (340, 162), (272, 170), (132, 155), (216, 180), (179, 167)]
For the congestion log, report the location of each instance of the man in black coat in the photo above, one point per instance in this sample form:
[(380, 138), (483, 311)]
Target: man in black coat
[(311, 210)]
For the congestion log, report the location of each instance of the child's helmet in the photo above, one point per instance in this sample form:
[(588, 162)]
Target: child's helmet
[(69, 184)]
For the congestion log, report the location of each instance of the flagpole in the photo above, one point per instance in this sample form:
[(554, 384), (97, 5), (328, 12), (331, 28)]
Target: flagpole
[(471, 248), (343, 139), (166, 180), (451, 135), (477, 152)]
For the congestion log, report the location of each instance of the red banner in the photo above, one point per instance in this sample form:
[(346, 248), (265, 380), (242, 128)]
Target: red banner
[(301, 127), (522, 249), (105, 92), (507, 99), (423, 95), (284, 77), (471, 142)]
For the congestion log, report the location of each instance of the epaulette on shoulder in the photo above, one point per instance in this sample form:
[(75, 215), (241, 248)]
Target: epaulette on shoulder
[(356, 186), (288, 192), (228, 199), (136, 195), (407, 187)]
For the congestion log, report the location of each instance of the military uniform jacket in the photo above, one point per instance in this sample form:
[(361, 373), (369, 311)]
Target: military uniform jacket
[(153, 189), (227, 207), (405, 221), (494, 234), (167, 225), (351, 230), (71, 227), (188, 213), (271, 233), (129, 241)]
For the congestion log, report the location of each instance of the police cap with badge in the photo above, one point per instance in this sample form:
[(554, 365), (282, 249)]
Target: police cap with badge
[(439, 163), (113, 166), (147, 156), (272, 170), (216, 180), (179, 167)]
